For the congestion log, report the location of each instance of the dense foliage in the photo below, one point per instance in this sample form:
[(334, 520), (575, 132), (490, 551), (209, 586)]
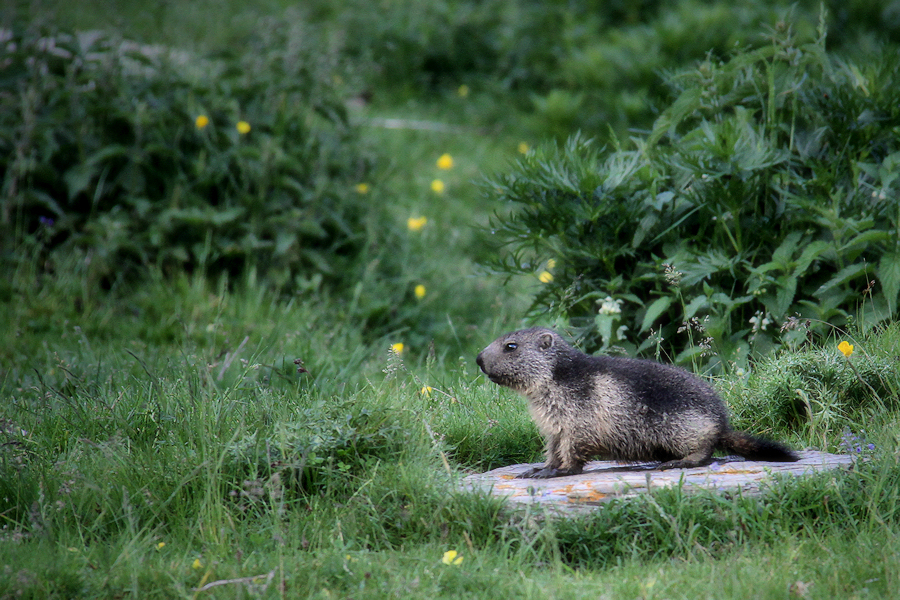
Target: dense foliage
[(762, 206), (583, 64), (145, 156)]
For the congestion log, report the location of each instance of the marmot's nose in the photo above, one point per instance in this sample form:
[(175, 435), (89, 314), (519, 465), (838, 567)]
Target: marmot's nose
[(480, 361)]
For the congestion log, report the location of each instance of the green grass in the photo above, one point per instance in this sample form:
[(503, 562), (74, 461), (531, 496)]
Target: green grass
[(157, 437), (335, 479)]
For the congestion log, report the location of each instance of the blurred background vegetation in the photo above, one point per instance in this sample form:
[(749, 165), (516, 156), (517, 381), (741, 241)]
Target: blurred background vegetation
[(218, 218), (784, 113)]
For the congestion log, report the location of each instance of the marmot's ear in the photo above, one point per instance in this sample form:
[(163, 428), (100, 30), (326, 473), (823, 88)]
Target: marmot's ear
[(545, 341)]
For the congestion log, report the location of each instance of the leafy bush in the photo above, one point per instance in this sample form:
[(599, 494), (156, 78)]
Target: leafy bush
[(762, 207), (589, 65), (144, 156), (607, 75)]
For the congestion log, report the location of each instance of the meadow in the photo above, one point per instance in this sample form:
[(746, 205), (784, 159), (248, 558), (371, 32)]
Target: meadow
[(213, 387)]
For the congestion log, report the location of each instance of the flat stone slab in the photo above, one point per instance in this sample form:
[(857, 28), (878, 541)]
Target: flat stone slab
[(602, 481)]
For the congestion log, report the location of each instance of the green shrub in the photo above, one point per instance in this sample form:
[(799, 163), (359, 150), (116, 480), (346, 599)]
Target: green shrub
[(134, 153), (763, 206), (589, 65)]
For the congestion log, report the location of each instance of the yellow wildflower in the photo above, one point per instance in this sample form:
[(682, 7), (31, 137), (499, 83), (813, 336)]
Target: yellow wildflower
[(397, 348), (201, 121), (362, 188), (545, 277), (197, 564), (463, 91), (445, 162), (420, 291), (846, 348), (437, 186), (416, 223), (523, 148), (426, 390), (160, 545), (451, 557), (243, 127), (551, 263)]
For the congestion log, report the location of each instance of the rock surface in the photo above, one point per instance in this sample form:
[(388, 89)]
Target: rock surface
[(604, 480)]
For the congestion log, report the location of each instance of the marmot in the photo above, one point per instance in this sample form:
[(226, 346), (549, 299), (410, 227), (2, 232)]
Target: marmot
[(623, 409)]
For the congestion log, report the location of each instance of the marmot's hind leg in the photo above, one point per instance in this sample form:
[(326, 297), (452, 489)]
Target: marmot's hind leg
[(700, 458), (529, 473), (548, 472)]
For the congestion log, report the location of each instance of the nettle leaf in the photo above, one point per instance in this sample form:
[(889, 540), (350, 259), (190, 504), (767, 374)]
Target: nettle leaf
[(875, 310), (784, 297), (888, 274), (79, 178), (283, 242), (695, 305), (785, 252), (812, 251), (868, 237), (686, 104), (656, 308), (844, 276)]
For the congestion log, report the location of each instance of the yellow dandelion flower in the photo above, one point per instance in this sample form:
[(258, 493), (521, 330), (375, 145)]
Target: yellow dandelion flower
[(416, 223), (437, 186), (196, 564), (846, 348), (362, 188), (463, 91), (445, 162), (523, 148), (452, 557), (397, 348), (545, 277), (426, 390), (160, 545), (243, 127), (201, 121), (420, 291)]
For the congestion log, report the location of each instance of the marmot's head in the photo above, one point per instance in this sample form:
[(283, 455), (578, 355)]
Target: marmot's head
[(523, 359)]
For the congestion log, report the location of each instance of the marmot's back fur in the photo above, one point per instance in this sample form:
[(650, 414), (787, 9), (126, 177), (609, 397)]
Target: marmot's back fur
[(622, 409)]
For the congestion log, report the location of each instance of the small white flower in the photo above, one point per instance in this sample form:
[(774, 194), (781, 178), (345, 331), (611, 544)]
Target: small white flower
[(610, 306), (760, 321)]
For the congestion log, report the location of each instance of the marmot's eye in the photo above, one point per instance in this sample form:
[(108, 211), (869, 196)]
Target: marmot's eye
[(510, 346)]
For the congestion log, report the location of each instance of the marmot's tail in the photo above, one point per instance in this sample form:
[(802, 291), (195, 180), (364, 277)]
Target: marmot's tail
[(755, 448)]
